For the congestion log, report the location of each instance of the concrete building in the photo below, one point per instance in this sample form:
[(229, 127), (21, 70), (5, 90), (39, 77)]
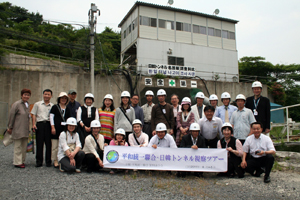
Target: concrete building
[(178, 42)]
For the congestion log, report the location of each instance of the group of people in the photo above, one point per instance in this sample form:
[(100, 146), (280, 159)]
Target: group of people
[(75, 135)]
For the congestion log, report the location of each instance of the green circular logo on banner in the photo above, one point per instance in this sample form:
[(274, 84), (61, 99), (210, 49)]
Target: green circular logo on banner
[(112, 156)]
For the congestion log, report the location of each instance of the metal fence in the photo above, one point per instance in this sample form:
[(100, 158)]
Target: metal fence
[(3, 116)]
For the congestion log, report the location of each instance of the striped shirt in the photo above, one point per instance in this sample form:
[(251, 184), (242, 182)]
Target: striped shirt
[(107, 123)]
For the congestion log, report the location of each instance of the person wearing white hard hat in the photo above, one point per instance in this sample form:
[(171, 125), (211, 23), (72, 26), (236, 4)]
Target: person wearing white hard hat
[(124, 115), (59, 113), (73, 105), (137, 138), (147, 109), (225, 111), (162, 113), (210, 127), (260, 106), (41, 126), (139, 114), (162, 138), (119, 140), (69, 154), (241, 119), (235, 152), (93, 148), (85, 115), (184, 119), (213, 100), (198, 108), (192, 140), (107, 116)]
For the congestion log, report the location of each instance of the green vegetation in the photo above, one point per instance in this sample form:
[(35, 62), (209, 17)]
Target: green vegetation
[(27, 30), (160, 76), (281, 80)]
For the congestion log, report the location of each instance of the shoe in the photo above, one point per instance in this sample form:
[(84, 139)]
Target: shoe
[(231, 176), (38, 165), (55, 164), (60, 169), (111, 172), (48, 165), (20, 166), (221, 174), (267, 179), (78, 170)]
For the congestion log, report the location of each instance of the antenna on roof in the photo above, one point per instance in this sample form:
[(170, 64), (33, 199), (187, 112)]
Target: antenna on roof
[(216, 12), (170, 2)]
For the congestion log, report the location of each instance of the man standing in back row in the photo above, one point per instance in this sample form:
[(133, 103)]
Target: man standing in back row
[(162, 112), (260, 106)]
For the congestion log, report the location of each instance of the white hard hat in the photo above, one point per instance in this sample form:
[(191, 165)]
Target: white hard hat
[(108, 96), (200, 95), (71, 121), (125, 94), (149, 92), (161, 127), (213, 97), (137, 121), (186, 100), (194, 127), (225, 95), (256, 84), (120, 131), (161, 92), (240, 96), (95, 124), (89, 95), (226, 124)]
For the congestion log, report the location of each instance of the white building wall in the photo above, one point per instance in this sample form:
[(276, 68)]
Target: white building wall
[(148, 12), (132, 36), (201, 57)]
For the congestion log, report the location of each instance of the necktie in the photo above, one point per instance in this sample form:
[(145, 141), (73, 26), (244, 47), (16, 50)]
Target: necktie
[(226, 114)]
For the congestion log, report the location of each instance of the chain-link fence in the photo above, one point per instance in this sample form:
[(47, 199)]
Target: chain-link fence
[(3, 117)]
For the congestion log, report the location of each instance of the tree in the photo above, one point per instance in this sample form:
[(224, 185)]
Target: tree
[(281, 80)]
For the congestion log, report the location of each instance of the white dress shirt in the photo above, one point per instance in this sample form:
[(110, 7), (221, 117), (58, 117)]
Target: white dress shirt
[(263, 143), (167, 141), (210, 129)]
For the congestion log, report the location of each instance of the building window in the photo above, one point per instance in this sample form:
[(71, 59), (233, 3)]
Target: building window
[(183, 27), (224, 34), (196, 28), (217, 32), (231, 36), (172, 60), (179, 26), (211, 31), (166, 24), (203, 30), (134, 23), (124, 34), (147, 21), (129, 29)]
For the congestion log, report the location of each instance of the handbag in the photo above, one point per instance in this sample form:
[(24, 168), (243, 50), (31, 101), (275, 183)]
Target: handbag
[(30, 144), (71, 146), (7, 139)]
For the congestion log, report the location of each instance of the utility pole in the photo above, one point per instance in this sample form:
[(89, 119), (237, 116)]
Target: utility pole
[(92, 22)]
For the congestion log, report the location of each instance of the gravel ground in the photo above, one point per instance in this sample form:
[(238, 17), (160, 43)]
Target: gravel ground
[(50, 183)]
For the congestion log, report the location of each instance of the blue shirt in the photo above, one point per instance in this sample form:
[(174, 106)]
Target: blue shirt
[(139, 114), (221, 112)]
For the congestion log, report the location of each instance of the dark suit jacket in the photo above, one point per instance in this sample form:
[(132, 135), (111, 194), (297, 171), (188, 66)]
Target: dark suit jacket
[(188, 143), (263, 110)]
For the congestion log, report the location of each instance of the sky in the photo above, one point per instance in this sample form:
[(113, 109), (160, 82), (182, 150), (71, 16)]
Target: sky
[(266, 28)]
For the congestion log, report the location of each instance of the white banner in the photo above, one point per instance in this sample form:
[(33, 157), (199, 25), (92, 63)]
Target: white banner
[(181, 159)]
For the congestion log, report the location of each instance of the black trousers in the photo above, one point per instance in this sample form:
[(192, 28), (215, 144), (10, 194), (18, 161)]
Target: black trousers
[(254, 164), (212, 143), (91, 161), (234, 165), (147, 129), (65, 162), (43, 135)]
